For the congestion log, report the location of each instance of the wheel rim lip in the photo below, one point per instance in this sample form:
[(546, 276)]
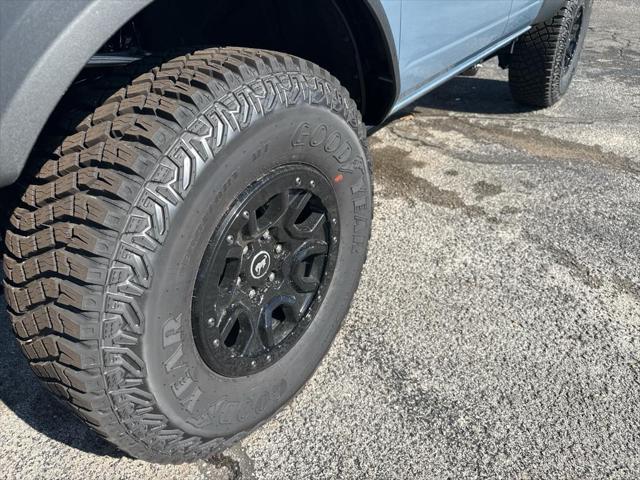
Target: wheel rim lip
[(219, 360), (573, 40)]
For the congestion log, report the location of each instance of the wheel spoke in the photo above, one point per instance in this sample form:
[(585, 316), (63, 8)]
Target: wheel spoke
[(304, 220), (308, 265), (253, 229), (296, 205), (302, 300), (277, 320), (253, 344), (226, 324)]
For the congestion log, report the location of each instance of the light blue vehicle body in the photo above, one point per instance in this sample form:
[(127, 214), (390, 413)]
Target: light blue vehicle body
[(437, 39)]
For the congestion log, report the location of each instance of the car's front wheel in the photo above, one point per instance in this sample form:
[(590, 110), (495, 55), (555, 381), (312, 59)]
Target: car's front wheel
[(179, 271)]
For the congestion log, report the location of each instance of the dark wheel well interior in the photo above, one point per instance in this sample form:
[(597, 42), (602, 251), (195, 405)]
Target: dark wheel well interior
[(341, 36)]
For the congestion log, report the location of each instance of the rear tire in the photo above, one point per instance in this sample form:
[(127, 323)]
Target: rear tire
[(544, 59), (116, 235)]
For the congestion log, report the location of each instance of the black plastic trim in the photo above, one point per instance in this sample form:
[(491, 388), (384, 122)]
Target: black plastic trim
[(383, 23), (43, 47)]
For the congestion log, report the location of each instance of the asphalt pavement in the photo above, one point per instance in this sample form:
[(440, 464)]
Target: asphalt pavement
[(496, 330)]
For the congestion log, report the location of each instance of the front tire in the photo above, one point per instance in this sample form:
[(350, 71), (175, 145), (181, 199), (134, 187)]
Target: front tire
[(136, 271), (544, 59)]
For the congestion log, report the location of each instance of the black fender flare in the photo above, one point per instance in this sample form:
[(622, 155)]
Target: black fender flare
[(43, 47), (383, 23)]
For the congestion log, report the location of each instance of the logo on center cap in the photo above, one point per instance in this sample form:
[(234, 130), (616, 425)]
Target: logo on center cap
[(260, 264)]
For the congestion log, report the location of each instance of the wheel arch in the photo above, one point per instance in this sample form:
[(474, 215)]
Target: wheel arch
[(40, 62)]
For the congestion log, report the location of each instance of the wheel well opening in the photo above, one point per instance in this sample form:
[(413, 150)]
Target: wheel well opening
[(341, 36)]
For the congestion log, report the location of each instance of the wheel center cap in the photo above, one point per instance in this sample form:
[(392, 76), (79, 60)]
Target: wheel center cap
[(260, 264)]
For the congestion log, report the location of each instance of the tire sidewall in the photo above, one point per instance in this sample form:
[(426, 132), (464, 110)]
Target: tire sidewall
[(195, 399)]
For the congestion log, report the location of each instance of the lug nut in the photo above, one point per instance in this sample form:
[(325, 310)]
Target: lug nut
[(211, 321), (312, 183), (216, 343), (278, 248), (253, 364), (272, 277), (245, 250), (245, 214), (268, 358), (238, 281), (266, 235), (252, 293), (230, 239), (298, 181)]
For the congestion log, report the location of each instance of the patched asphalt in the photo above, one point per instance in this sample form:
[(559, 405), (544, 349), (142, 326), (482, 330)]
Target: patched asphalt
[(496, 330)]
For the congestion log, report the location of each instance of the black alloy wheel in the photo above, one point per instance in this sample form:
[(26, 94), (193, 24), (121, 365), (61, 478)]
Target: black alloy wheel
[(262, 276)]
